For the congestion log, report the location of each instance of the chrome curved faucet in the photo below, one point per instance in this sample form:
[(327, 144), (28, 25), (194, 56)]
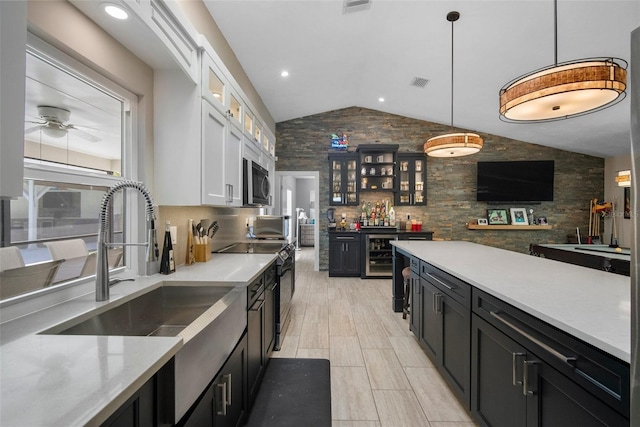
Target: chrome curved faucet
[(102, 267)]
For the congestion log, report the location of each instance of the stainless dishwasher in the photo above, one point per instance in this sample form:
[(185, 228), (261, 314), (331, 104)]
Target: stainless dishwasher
[(379, 255)]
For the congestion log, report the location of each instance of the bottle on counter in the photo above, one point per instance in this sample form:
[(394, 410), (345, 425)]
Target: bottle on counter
[(392, 216), (167, 263)]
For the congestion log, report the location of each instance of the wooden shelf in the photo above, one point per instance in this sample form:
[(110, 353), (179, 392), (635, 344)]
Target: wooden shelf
[(473, 226)]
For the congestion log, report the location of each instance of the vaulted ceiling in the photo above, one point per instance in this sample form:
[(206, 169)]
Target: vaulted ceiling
[(337, 59)]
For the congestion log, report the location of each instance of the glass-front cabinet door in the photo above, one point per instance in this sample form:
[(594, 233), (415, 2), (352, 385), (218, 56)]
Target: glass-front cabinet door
[(343, 179), (412, 173)]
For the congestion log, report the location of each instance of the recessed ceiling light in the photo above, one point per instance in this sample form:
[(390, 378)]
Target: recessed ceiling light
[(285, 73), (115, 11), (381, 99)]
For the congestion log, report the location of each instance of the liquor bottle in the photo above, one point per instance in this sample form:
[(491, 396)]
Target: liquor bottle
[(167, 263)]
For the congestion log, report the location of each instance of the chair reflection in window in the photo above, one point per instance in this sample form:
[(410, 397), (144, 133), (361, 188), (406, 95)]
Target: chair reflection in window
[(17, 279), (77, 260)]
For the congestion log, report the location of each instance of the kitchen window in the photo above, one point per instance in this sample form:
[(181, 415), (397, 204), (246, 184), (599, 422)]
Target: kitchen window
[(78, 143)]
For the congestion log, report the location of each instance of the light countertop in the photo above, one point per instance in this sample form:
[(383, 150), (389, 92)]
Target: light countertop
[(591, 305), (76, 380)]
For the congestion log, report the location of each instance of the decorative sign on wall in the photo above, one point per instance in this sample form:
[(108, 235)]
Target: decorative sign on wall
[(339, 141)]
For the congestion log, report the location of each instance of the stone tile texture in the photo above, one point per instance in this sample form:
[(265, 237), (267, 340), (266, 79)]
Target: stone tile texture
[(303, 144)]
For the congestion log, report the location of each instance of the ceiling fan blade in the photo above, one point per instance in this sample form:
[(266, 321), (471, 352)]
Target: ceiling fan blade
[(82, 134), (32, 129)]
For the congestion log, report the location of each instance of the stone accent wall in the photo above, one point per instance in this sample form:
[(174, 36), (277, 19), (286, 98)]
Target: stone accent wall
[(303, 145)]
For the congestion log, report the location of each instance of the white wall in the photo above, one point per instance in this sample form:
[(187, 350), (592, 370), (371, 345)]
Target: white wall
[(615, 194)]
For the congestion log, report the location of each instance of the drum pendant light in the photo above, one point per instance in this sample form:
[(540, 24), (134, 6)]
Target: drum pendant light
[(564, 90), (453, 144)]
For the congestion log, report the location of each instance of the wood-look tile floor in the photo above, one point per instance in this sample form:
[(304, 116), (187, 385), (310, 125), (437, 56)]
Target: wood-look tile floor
[(380, 377)]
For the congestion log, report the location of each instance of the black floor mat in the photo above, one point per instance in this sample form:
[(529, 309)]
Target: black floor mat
[(294, 393)]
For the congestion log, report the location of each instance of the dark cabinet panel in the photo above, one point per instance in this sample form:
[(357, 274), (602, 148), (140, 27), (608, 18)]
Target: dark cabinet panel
[(138, 411), (224, 402), (270, 316), (561, 381), (343, 179), (344, 254), (255, 346), (444, 328), (412, 173), (496, 369)]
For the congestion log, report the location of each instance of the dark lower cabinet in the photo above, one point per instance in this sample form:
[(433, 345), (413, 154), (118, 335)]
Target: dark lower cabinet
[(150, 406), (270, 316), (344, 254), (224, 402), (544, 376), (260, 328), (138, 411), (507, 375), (444, 319), (255, 346)]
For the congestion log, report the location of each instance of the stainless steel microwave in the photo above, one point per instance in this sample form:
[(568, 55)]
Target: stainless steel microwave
[(256, 186)]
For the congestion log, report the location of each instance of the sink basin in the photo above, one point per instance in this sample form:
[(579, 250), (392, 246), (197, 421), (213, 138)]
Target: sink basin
[(165, 311), (209, 317)]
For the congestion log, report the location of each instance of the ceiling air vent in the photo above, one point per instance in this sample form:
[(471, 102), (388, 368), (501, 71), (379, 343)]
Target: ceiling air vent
[(355, 5), (419, 82)]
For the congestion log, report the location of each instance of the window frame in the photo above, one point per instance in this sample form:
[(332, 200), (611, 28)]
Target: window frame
[(130, 169)]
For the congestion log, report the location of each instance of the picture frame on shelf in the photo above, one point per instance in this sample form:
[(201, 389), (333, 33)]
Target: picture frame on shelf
[(483, 221), (497, 217), (519, 216), (541, 220)]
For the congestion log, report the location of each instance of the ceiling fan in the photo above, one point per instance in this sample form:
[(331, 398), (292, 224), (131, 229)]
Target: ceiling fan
[(54, 124)]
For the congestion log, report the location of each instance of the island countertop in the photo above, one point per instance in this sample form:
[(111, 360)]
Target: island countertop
[(81, 380), (593, 306)]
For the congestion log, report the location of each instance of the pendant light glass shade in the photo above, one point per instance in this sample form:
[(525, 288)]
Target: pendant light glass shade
[(564, 90), (453, 144)]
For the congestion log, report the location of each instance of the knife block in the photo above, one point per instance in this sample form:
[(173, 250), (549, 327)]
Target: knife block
[(202, 252)]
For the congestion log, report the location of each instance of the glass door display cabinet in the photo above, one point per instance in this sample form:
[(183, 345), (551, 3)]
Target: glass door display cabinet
[(343, 179), (412, 174), (378, 167)]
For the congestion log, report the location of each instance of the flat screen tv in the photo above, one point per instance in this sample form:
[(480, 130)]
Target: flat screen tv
[(515, 181)]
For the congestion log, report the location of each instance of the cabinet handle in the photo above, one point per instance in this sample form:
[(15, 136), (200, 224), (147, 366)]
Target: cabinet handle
[(437, 302), (228, 388), (514, 362), (570, 360), (229, 193), (222, 387), (525, 378), (417, 285), (441, 282), (344, 238), (259, 307)]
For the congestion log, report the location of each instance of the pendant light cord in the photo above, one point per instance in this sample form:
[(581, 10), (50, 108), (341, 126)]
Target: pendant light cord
[(452, 17), (555, 32), (452, 73)]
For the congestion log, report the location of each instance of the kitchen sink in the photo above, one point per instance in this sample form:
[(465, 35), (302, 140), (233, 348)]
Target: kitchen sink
[(209, 317), (165, 311)]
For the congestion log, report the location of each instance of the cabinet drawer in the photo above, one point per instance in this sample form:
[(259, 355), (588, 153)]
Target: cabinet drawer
[(414, 264), (255, 289), (601, 374), (270, 275), (450, 285)]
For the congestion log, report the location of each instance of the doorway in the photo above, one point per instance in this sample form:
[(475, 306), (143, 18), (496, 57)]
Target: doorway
[(297, 192)]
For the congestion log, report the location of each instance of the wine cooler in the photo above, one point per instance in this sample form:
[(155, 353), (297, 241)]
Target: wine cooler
[(379, 255)]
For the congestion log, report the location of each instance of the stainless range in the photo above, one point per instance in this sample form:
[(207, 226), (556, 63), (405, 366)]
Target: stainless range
[(286, 273)]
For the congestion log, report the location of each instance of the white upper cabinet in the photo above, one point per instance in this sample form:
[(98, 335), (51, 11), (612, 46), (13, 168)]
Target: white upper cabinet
[(235, 109), (168, 24), (214, 85), (13, 43), (221, 159)]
